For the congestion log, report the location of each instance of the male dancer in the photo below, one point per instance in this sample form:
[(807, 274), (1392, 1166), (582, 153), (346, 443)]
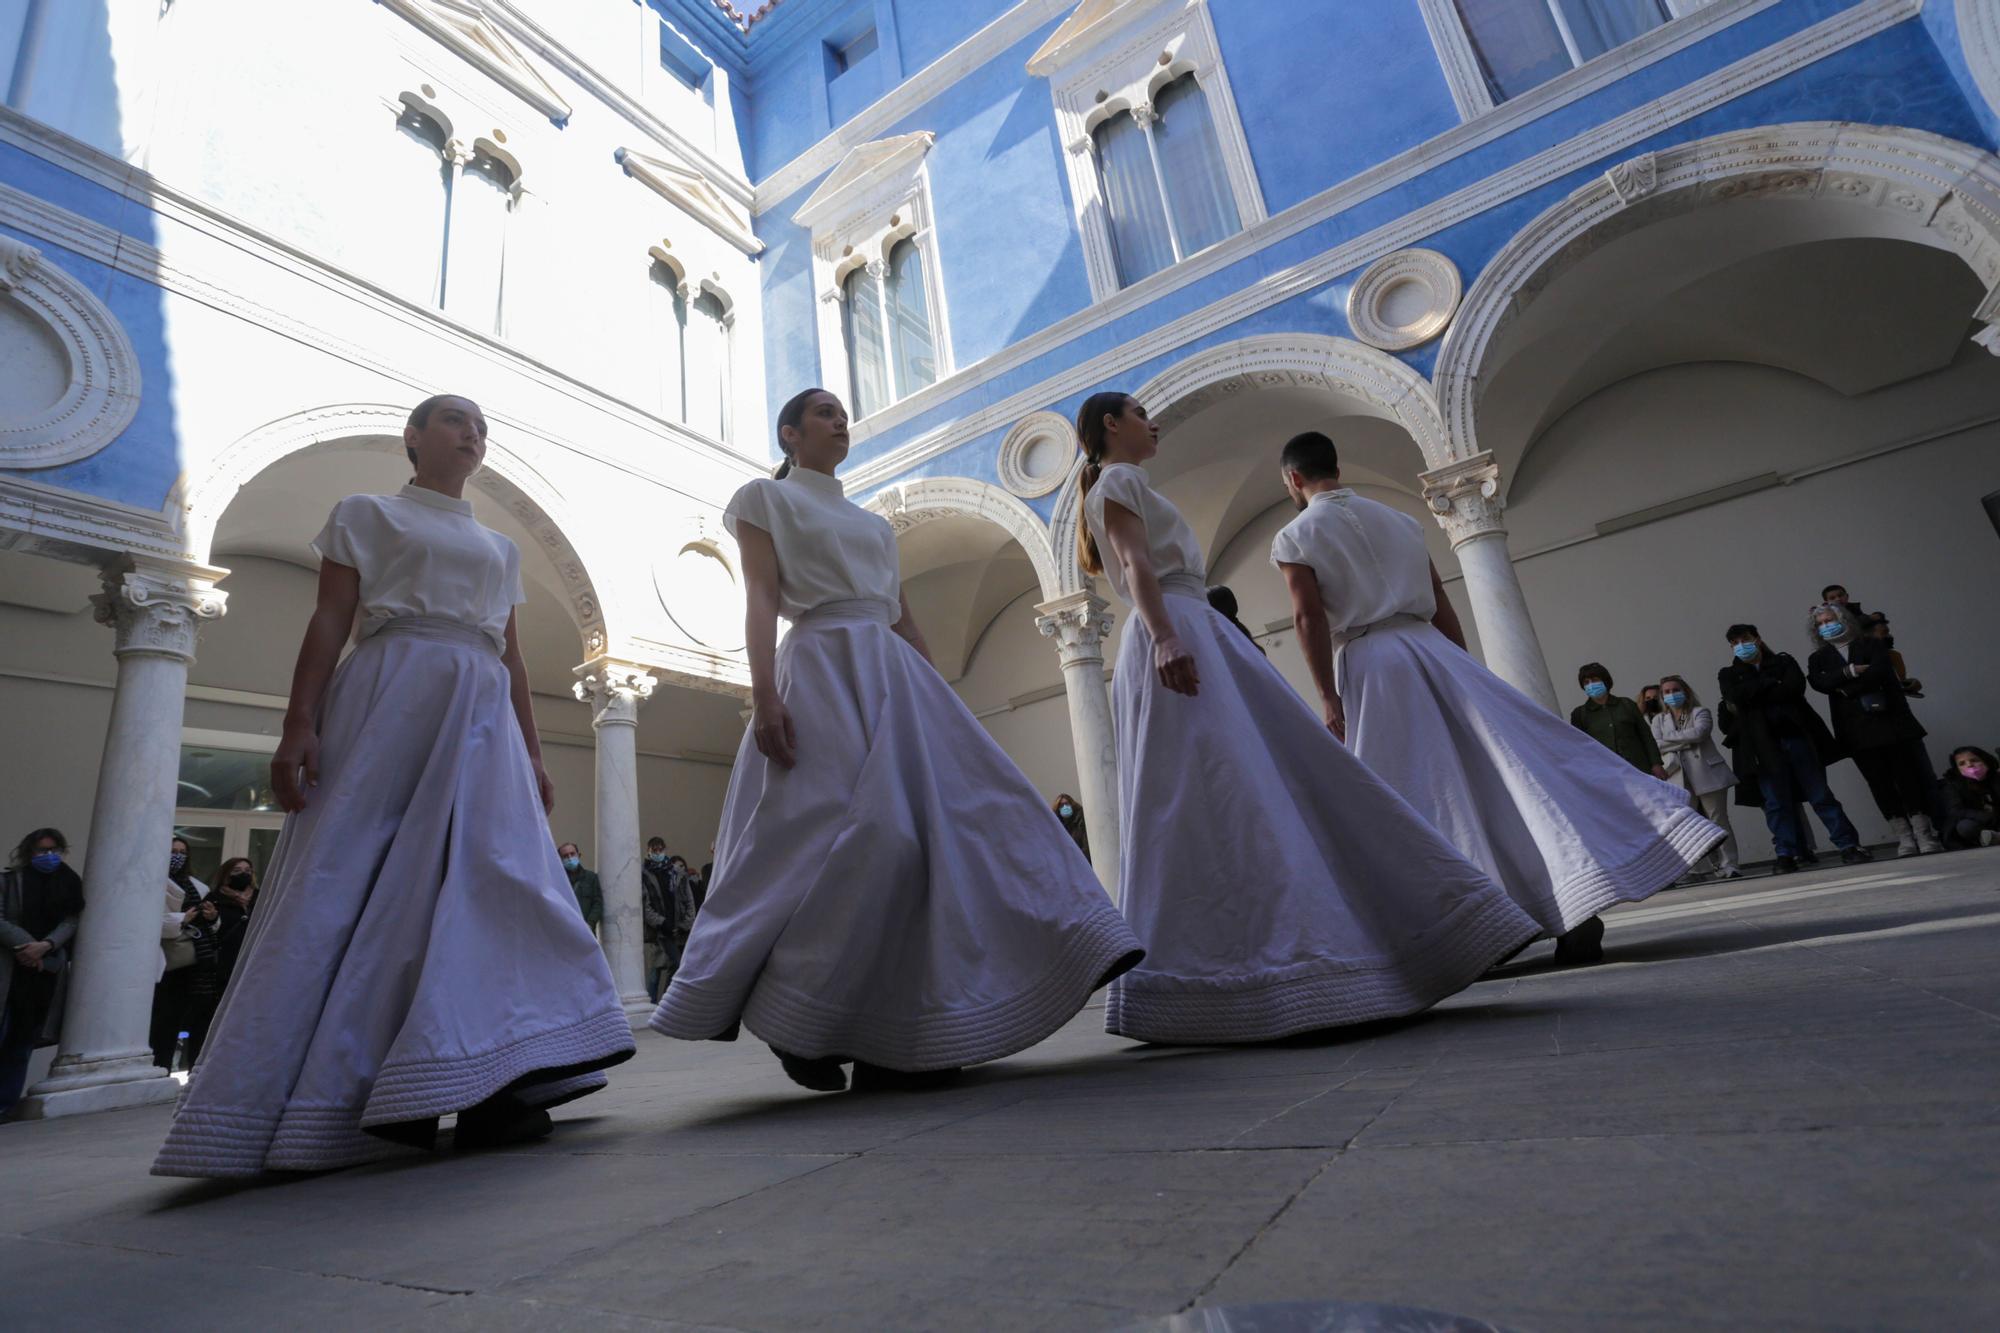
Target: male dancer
[(1565, 826)]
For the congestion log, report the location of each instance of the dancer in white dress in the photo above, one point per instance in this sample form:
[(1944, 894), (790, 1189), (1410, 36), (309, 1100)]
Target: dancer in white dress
[(888, 888), (416, 951), (1565, 825), (1277, 884)]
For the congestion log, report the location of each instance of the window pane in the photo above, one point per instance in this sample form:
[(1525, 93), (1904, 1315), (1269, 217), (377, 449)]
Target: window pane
[(1518, 43), (707, 365), (213, 779), (479, 243), (423, 192), (669, 328), (910, 347), (1598, 25), (861, 323), (1191, 160), (1132, 199)]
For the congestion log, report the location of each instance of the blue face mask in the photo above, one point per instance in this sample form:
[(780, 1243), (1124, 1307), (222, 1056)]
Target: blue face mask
[(572, 863), (1676, 699), (1745, 651), (656, 858), (1832, 629), (1597, 689), (1067, 810), (45, 861)]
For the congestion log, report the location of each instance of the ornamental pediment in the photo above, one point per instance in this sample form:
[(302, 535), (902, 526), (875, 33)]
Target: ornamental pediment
[(692, 193), (869, 169), (464, 26)]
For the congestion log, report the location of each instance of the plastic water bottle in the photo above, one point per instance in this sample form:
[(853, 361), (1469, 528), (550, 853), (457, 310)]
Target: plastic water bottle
[(180, 1065)]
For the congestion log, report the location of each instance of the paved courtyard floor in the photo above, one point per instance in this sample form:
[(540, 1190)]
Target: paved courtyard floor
[(1776, 1104)]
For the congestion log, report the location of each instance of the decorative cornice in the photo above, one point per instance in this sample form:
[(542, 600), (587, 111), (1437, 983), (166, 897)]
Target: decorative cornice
[(1088, 24), (155, 608), (465, 27), (866, 169), (1812, 44), (693, 194)]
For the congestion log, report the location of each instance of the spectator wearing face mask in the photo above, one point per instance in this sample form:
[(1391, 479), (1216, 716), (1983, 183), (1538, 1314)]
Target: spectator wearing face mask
[(1873, 723), (1070, 811), (1781, 748), (40, 901), (1649, 704), (1615, 722), (1972, 798), (1685, 732), (656, 908), (583, 883), (191, 986), (235, 893)]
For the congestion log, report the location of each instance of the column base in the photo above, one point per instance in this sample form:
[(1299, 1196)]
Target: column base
[(78, 1086), (637, 1008)]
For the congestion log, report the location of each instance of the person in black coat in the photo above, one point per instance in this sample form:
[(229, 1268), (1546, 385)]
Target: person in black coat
[(1779, 747), (1873, 723)]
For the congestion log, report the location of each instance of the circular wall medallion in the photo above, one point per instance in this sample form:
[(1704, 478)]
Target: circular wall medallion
[(698, 590), (1404, 300), (1037, 454), (72, 381)]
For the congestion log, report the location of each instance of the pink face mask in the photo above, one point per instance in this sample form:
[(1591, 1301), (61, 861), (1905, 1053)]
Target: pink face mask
[(1974, 772)]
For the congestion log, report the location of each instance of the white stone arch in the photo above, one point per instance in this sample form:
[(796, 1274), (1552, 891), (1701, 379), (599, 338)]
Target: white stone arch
[(507, 476), (906, 504), (1920, 187), (1979, 39)]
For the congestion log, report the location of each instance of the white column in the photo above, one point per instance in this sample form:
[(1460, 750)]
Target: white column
[(615, 690), (1465, 498), (1079, 622), (104, 1061)]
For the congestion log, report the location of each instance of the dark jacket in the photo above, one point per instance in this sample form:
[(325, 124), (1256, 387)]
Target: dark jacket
[(589, 896), (1767, 701), (1852, 696), (1966, 799), (1617, 724)]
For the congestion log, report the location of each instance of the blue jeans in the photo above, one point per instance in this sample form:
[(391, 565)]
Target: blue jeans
[(1802, 778)]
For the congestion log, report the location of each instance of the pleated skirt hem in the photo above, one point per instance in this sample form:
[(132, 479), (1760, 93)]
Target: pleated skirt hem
[(804, 1025), (1687, 838), (1323, 993)]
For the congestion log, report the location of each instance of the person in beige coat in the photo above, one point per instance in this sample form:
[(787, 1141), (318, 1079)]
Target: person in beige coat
[(1684, 731)]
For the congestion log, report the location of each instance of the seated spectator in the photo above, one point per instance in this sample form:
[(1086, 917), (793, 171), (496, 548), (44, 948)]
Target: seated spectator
[(1872, 722), (1685, 732), (1070, 811), (1781, 748), (1222, 599), (1615, 722), (40, 901), (1972, 798)]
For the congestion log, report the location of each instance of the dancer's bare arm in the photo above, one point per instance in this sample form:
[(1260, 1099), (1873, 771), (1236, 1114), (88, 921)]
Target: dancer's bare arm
[(524, 713), (332, 621), (1126, 532), (1446, 618), (907, 627), (770, 721), (1315, 640)]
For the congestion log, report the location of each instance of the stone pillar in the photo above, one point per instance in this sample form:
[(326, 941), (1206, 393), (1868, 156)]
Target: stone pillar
[(615, 690), (104, 1061), (1079, 622), (1465, 497)]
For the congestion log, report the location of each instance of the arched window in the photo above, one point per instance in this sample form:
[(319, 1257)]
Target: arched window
[(1166, 190), (861, 325), (1522, 44), (668, 325), (886, 321), (426, 196), (912, 354), (708, 366), (478, 261)]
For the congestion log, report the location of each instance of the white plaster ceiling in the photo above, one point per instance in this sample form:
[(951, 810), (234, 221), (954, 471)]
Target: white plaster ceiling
[(959, 574)]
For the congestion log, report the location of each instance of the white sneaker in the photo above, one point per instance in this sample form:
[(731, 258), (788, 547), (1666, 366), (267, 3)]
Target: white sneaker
[(1927, 838), (1906, 837), (1987, 837)]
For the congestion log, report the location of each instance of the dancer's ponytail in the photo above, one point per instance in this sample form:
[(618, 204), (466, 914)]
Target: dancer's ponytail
[(1090, 438), (791, 414)]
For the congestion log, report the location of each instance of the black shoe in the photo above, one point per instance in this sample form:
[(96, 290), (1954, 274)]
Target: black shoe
[(1810, 858), (499, 1122), (410, 1133), (876, 1078), (818, 1075), (1585, 944), (1854, 856), (1785, 865)]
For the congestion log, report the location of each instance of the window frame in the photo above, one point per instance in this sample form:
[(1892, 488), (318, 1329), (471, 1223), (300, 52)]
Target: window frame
[(688, 293), (1466, 77), (1118, 62)]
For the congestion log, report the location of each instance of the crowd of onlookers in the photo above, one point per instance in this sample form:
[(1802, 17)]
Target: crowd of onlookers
[(670, 893), (1780, 748)]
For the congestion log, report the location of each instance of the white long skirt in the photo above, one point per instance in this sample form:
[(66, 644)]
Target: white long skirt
[(415, 948), (1566, 826), (902, 895), (1277, 884)]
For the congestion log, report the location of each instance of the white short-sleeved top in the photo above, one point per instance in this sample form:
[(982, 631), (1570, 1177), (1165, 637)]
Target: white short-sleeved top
[(1370, 560), (1170, 542), (420, 553), (829, 548)]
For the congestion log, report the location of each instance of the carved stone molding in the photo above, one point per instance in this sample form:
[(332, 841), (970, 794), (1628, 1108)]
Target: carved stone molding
[(699, 536), (1036, 455), (614, 690), (1404, 300), (1893, 182), (156, 610), (89, 362), (1078, 623), (1979, 38), (909, 503), (463, 26), (1465, 498)]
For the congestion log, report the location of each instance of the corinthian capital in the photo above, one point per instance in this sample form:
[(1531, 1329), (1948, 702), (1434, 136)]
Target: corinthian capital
[(155, 609), (614, 690), (1079, 622), (1465, 497)]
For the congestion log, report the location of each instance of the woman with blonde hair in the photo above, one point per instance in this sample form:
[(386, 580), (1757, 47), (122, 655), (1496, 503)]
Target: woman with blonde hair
[(1685, 732)]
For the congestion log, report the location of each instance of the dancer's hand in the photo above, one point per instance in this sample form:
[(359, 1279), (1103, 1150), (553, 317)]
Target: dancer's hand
[(547, 787), (298, 751), (1176, 666), (771, 724), (1336, 720)]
